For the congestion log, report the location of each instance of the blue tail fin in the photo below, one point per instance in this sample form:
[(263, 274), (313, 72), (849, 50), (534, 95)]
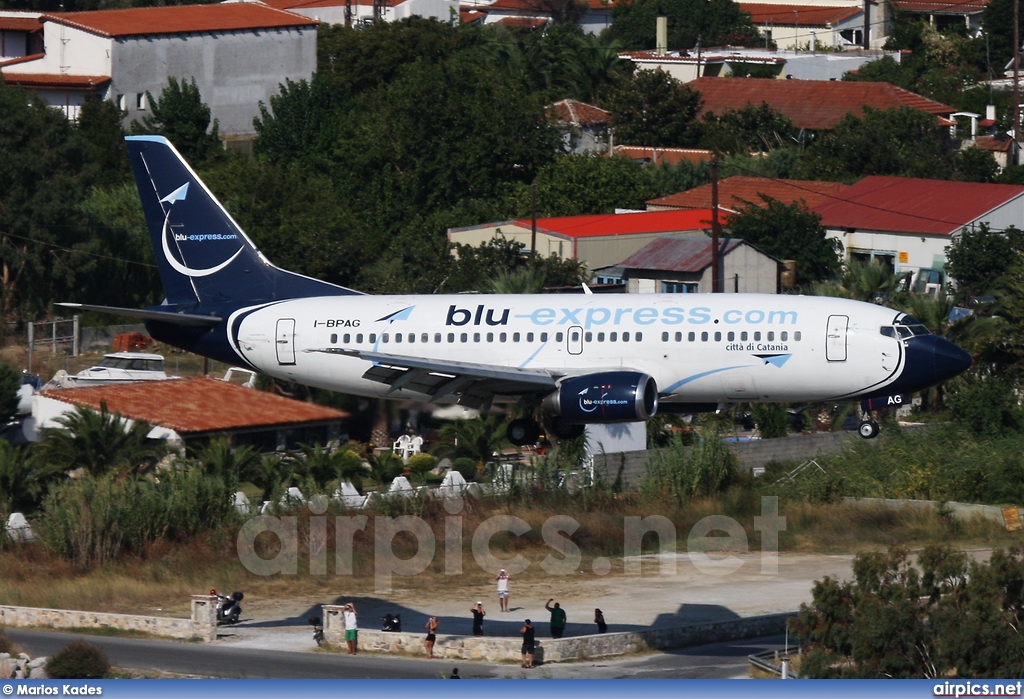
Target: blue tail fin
[(205, 258)]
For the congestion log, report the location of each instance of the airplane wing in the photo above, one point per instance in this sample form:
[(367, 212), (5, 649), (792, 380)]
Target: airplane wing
[(476, 384)]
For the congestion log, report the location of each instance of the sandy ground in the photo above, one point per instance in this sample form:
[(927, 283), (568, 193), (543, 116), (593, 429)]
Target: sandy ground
[(674, 590)]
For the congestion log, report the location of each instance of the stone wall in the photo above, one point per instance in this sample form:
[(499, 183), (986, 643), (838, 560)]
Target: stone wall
[(630, 467), (498, 649), (201, 626)]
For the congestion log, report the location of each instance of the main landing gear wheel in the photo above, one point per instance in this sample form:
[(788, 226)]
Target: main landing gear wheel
[(522, 432), (868, 429)]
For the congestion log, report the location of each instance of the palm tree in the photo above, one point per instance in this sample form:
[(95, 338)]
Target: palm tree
[(99, 442), (325, 465), (477, 439), (525, 280), (22, 481), (230, 464)]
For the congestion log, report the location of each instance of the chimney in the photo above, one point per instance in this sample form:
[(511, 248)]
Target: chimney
[(661, 36)]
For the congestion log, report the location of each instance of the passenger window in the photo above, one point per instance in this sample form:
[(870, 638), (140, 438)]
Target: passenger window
[(503, 337), (771, 336), (612, 337), (588, 336), (730, 336), (600, 337), (558, 337), (515, 337), (638, 337), (704, 337), (757, 336), (743, 336), (664, 337), (373, 338), (437, 338), (625, 337), (476, 337), (718, 337), (796, 336), (529, 337), (490, 337), (451, 338), (692, 337), (783, 335), (384, 338), (359, 338), (463, 337), (398, 337), (334, 339)]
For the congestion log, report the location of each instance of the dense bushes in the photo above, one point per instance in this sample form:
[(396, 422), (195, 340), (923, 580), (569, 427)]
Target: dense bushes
[(78, 660), (92, 521)]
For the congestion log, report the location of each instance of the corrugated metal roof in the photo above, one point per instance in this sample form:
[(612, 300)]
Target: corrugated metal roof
[(199, 404), (180, 19), (678, 254), (809, 104), (623, 224), (910, 205), (798, 15), (737, 191)]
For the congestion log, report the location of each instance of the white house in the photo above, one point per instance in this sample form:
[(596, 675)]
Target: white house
[(237, 54)]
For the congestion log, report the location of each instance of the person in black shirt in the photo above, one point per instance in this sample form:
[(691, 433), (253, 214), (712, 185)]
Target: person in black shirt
[(599, 620), (528, 643), (478, 619)]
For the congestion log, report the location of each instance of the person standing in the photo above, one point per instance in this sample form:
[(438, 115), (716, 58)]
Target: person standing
[(502, 580), (478, 619), (455, 674), (599, 620), (558, 618), (529, 643), (351, 629), (431, 636)]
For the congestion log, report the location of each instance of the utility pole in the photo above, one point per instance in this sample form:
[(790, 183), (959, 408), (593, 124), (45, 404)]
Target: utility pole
[(716, 282), (1016, 75)]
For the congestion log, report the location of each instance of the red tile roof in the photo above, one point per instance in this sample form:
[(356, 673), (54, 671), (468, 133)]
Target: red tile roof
[(909, 205), (523, 22), (297, 5), (179, 19), (25, 23), (810, 104), (55, 80), (199, 404), (798, 15), (579, 113), (664, 156), (994, 144), (678, 254), (624, 224), (737, 191)]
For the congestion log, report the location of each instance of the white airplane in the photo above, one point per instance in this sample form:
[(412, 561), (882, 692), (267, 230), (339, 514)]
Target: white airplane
[(572, 360)]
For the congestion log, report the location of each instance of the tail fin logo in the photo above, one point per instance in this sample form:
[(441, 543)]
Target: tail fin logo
[(167, 203)]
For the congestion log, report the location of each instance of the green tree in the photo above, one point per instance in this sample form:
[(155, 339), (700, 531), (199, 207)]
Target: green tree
[(979, 258), (225, 462), (181, 115), (753, 128), (41, 187), (651, 108), (99, 442), (976, 165), (690, 22), (23, 481), (300, 125), (903, 142), (478, 439), (10, 382), (789, 232), (588, 184)]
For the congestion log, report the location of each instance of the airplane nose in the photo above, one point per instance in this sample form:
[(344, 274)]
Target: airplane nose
[(930, 361)]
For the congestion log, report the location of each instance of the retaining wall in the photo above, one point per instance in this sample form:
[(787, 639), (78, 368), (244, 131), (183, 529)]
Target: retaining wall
[(508, 649), (201, 626)]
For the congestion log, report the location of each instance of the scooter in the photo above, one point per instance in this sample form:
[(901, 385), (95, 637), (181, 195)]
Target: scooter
[(391, 622), (228, 608), (318, 630)]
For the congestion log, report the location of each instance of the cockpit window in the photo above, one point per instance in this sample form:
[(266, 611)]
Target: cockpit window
[(904, 328)]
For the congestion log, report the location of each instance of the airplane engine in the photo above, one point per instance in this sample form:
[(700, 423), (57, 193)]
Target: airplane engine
[(612, 396)]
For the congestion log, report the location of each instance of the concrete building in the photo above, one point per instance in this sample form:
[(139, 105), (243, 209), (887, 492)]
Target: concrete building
[(363, 12), (905, 223), (238, 54), (598, 241), (683, 265)]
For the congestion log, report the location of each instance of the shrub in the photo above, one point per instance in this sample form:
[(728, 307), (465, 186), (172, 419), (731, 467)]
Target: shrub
[(466, 466), (421, 463), (80, 660)]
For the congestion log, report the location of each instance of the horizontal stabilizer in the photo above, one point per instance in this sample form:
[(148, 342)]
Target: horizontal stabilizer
[(185, 319)]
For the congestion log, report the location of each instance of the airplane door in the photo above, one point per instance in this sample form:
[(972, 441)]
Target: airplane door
[(574, 340), (286, 341), (835, 338)]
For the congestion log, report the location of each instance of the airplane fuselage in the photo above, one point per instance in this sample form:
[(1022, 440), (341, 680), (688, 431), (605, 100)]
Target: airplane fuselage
[(698, 348)]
